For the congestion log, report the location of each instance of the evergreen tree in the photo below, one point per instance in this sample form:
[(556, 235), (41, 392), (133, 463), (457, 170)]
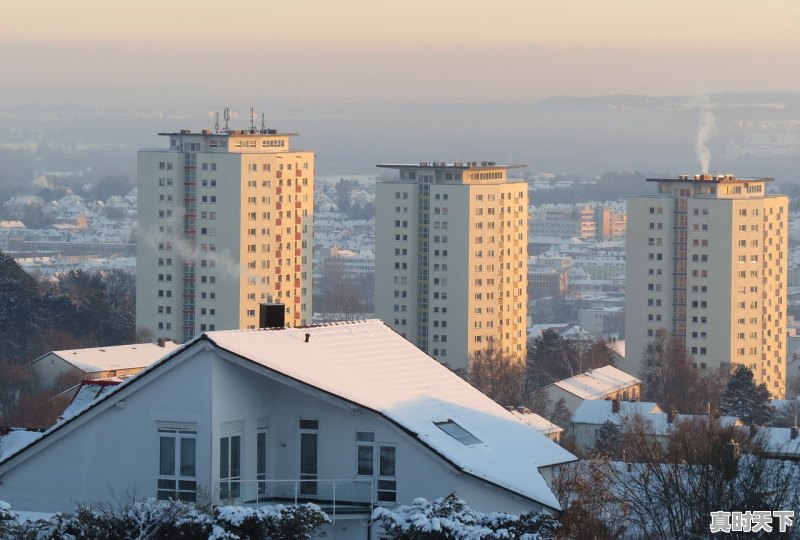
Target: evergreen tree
[(608, 439), (746, 400)]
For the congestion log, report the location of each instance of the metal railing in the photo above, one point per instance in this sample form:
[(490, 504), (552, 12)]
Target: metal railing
[(332, 495)]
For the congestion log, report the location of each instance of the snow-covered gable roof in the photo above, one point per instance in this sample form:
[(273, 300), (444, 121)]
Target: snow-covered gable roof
[(778, 441), (117, 357), (598, 411), (369, 364), (597, 383), (537, 422), (15, 440)]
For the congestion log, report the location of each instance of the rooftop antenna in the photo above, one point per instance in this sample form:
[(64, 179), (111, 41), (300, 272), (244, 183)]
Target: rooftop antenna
[(252, 120), (263, 123), (216, 124), (227, 115)]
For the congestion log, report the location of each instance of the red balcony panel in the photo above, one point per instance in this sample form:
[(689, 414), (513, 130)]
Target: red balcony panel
[(297, 268), (279, 174), (296, 316), (278, 253), (277, 221), (298, 188), (297, 300), (297, 284), (277, 285), (277, 238), (298, 236), (297, 220), (278, 206), (297, 252), (298, 204)]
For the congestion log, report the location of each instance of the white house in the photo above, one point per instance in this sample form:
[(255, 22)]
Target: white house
[(606, 382), (99, 362), (349, 415)]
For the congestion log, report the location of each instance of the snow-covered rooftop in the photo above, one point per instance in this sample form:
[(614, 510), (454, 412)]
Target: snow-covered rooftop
[(597, 383), (94, 359), (598, 411), (369, 364), (537, 422), (15, 440), (87, 393)]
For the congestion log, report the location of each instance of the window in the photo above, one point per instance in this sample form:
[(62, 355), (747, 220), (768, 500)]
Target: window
[(177, 475), (365, 453), (387, 480), (458, 433), (230, 467), (308, 456)]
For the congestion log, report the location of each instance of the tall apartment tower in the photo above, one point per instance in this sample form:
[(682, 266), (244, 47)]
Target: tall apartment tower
[(707, 264), (451, 258), (225, 221)]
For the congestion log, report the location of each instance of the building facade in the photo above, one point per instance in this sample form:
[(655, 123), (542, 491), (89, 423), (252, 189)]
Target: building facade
[(225, 220), (707, 265), (450, 258)]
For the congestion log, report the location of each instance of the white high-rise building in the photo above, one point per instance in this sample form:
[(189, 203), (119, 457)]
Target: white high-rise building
[(707, 265), (451, 258), (225, 221)]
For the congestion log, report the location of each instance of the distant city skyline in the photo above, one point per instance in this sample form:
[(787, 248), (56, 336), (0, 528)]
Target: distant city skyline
[(365, 50)]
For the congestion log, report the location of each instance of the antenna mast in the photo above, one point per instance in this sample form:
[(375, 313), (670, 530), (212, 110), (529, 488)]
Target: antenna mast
[(227, 115), (216, 124), (252, 120)]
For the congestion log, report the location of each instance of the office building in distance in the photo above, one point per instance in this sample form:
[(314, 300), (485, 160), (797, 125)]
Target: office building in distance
[(451, 258)]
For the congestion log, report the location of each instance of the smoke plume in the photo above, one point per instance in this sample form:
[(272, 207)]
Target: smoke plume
[(707, 128)]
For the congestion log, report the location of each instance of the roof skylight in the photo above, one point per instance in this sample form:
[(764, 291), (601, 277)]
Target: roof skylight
[(458, 433)]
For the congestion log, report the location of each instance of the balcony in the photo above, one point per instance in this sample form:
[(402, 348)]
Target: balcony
[(348, 497)]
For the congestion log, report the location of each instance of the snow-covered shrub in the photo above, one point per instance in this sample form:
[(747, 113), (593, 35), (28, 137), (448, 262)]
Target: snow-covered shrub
[(450, 518), (148, 518), (274, 522)]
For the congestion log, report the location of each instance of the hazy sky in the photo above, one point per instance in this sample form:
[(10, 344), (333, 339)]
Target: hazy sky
[(415, 49)]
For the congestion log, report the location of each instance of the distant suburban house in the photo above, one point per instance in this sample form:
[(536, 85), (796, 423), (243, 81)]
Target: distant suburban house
[(592, 414), (602, 383), (659, 424), (98, 362), (349, 415)]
